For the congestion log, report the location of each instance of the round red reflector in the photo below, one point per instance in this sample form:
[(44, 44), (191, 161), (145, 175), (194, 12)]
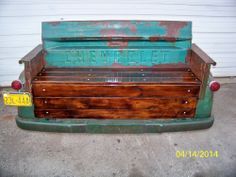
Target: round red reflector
[(16, 84), (214, 86)]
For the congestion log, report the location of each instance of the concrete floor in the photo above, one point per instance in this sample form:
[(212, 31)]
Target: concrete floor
[(26, 153)]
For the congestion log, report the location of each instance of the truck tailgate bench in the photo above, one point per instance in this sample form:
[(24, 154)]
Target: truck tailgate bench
[(117, 77)]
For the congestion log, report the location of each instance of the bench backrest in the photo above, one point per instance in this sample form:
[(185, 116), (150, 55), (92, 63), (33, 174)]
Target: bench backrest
[(115, 43)]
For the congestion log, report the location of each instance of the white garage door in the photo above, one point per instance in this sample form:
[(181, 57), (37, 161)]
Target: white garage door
[(214, 25)]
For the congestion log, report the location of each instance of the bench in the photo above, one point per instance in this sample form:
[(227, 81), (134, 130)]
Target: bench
[(126, 70)]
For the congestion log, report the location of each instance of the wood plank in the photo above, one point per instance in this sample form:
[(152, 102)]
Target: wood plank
[(157, 68), (114, 113), (34, 63), (116, 90), (118, 74), (113, 103), (74, 79), (202, 55), (200, 64)]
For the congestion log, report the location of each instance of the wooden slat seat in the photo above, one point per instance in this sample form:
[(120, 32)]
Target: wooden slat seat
[(108, 75), (115, 93)]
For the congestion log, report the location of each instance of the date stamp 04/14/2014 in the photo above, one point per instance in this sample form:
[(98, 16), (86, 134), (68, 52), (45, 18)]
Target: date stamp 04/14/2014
[(196, 154)]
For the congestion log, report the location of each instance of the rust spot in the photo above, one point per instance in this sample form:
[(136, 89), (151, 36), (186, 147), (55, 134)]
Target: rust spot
[(188, 56), (120, 44), (118, 65), (128, 24), (155, 38), (171, 39), (112, 33), (108, 32), (161, 38), (173, 28), (102, 23), (133, 29), (54, 23)]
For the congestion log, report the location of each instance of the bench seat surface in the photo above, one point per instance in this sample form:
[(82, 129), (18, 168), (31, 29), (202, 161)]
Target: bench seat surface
[(115, 93)]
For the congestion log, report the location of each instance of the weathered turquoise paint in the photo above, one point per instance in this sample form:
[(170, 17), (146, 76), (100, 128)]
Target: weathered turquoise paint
[(26, 112), (149, 56), (141, 43), (113, 126), (95, 30)]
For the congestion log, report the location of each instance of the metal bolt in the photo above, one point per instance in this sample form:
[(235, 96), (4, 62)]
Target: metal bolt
[(189, 90), (184, 112), (44, 90), (35, 79), (88, 79), (143, 74), (186, 102), (46, 112), (45, 102)]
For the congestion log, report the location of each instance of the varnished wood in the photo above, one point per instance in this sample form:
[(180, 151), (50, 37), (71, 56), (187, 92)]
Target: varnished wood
[(34, 63), (114, 103), (202, 55), (115, 113), (108, 73), (157, 68), (200, 64), (116, 90), (115, 93), (136, 80)]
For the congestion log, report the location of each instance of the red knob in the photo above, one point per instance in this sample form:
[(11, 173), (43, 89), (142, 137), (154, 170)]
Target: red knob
[(214, 86), (16, 85)]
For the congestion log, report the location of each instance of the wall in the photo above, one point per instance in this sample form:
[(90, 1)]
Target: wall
[(214, 25)]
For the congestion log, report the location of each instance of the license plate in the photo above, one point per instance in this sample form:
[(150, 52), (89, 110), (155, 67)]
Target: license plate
[(17, 99)]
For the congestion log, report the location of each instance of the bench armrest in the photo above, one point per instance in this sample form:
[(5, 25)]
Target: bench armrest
[(202, 55), (34, 63), (200, 64)]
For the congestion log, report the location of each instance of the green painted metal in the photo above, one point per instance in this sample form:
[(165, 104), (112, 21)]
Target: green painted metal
[(71, 57), (140, 43), (113, 126), (26, 112), (204, 105), (98, 30)]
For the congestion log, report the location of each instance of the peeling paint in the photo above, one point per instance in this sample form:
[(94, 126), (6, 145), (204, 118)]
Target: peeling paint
[(173, 29), (54, 23), (102, 43), (128, 24), (120, 44), (112, 33)]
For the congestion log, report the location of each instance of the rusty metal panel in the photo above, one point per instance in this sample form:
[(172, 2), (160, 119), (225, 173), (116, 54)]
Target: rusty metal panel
[(109, 43), (132, 30)]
